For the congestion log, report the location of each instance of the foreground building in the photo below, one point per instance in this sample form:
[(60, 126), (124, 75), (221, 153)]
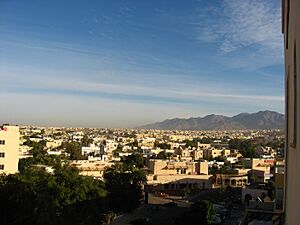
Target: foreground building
[(291, 30), (9, 149)]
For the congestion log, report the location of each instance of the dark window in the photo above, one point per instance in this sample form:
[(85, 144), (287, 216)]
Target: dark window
[(287, 24), (295, 100), (1, 167), (2, 142), (287, 111), (2, 154)]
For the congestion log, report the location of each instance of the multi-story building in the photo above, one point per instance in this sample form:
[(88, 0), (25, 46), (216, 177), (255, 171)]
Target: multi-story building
[(177, 175), (291, 30), (9, 149)]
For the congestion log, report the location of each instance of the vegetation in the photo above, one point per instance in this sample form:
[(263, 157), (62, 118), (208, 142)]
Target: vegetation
[(162, 155), (74, 149), (245, 147), (124, 183), (225, 169), (86, 141), (192, 144), (39, 156), (135, 160), (38, 197), (162, 145), (63, 197), (201, 212)]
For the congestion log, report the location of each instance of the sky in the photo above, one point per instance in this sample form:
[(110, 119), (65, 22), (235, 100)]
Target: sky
[(125, 63)]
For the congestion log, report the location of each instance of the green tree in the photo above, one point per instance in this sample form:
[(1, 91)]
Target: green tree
[(86, 141), (37, 148), (135, 160), (200, 213), (39, 156), (162, 155), (192, 144), (162, 145), (36, 197), (124, 183), (245, 147), (74, 149)]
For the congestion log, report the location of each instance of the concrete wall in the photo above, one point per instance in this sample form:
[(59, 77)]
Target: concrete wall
[(291, 29)]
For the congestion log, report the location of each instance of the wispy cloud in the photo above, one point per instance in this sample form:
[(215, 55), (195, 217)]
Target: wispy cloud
[(243, 23), (115, 89)]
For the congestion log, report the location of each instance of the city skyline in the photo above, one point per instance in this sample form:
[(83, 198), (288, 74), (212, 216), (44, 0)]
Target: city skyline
[(129, 63)]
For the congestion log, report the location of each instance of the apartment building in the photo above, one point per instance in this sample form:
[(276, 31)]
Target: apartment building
[(177, 175), (291, 30), (172, 167), (9, 149)]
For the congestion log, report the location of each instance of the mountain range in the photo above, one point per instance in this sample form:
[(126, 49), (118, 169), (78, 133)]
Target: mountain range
[(243, 121)]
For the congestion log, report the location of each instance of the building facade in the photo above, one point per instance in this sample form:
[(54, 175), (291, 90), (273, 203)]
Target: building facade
[(291, 30), (177, 175), (9, 149)]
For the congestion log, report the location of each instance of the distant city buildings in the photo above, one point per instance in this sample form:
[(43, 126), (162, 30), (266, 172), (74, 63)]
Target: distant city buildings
[(175, 162)]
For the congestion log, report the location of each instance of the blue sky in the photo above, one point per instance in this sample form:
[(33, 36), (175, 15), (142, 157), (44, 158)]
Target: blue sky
[(124, 63)]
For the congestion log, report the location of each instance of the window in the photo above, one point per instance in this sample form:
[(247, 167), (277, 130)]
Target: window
[(295, 100), (2, 154), (287, 24), (1, 167), (2, 142), (287, 106)]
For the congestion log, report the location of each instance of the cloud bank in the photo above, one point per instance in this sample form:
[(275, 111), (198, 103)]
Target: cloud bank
[(243, 23)]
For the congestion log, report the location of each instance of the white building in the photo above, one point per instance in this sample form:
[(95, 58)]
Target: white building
[(91, 149)]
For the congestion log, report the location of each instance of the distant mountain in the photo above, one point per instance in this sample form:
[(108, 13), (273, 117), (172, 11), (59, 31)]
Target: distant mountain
[(248, 121)]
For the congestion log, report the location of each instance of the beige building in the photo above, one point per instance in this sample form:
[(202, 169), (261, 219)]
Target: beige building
[(291, 30), (231, 180), (177, 175), (93, 168), (197, 154), (213, 153), (172, 167), (9, 149)]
